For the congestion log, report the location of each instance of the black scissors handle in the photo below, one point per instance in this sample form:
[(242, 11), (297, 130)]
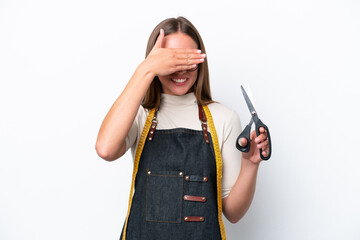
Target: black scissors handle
[(258, 125), (246, 134)]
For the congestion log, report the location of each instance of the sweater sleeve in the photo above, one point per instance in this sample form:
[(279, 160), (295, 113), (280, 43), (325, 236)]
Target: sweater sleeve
[(231, 156), (136, 128)]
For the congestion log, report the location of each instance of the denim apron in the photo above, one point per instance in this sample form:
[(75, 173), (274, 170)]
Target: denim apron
[(177, 183)]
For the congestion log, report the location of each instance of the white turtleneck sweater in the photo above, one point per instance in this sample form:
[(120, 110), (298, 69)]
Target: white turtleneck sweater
[(182, 112)]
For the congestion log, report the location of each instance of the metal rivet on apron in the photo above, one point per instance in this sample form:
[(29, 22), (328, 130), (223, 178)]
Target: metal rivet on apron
[(186, 218), (203, 198), (201, 218), (205, 134), (150, 138), (151, 132), (149, 172), (153, 126), (205, 128), (205, 179), (187, 178), (180, 173), (185, 197), (207, 141)]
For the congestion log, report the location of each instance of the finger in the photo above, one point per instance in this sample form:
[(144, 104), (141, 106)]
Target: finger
[(264, 153), (186, 50), (263, 145), (262, 130), (183, 67), (261, 138), (252, 135), (190, 55), (242, 142), (160, 39), (266, 150), (188, 61)]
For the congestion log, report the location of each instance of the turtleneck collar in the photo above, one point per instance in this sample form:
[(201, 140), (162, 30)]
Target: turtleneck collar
[(179, 101)]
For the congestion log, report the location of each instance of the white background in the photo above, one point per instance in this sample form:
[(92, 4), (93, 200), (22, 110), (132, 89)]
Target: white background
[(63, 64)]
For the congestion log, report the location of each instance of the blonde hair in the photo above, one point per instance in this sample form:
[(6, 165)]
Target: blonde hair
[(201, 87)]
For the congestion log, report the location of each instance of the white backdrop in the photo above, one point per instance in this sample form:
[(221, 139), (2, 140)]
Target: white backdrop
[(63, 64)]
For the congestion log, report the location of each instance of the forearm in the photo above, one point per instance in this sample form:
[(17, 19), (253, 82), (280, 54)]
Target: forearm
[(241, 195), (110, 143)]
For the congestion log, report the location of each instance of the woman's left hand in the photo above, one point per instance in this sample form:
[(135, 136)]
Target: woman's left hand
[(260, 142)]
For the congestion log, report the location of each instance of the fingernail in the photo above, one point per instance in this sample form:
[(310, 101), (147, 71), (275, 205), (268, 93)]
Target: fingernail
[(198, 51), (203, 55), (201, 59)]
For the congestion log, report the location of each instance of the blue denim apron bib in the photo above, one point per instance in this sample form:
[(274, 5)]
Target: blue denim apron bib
[(176, 192)]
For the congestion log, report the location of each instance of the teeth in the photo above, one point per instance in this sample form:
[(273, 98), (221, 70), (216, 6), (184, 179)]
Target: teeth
[(179, 80)]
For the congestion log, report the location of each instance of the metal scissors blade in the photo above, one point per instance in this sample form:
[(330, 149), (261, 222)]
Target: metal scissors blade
[(248, 102)]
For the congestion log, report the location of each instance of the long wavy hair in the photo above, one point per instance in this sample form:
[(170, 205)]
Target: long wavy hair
[(201, 87)]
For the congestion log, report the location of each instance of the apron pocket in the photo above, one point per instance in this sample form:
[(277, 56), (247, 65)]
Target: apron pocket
[(164, 190)]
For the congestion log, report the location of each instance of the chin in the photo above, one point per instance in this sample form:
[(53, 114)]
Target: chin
[(178, 89), (180, 93)]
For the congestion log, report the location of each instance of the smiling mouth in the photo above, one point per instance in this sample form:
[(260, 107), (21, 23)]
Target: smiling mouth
[(179, 80)]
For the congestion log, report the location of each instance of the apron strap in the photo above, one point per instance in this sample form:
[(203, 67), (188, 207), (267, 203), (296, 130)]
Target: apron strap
[(153, 126), (203, 120)]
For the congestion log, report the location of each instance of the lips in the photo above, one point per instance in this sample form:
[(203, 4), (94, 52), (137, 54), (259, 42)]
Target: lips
[(179, 80)]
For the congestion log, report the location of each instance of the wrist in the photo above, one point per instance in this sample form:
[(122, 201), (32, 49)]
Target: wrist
[(146, 70), (248, 164)]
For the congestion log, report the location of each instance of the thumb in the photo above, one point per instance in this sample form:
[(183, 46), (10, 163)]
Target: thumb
[(242, 142), (159, 41)]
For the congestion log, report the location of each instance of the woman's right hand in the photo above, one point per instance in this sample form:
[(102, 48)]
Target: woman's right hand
[(165, 61)]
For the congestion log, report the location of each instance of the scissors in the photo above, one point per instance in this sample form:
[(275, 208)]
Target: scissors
[(246, 132)]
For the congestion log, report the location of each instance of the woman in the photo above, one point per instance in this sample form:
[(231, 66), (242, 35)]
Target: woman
[(186, 166)]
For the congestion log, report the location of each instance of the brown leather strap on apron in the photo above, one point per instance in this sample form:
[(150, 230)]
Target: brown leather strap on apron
[(194, 218), (195, 198), (153, 126), (203, 121)]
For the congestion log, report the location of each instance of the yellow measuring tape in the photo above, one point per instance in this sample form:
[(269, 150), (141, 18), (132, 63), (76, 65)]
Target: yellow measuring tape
[(218, 166)]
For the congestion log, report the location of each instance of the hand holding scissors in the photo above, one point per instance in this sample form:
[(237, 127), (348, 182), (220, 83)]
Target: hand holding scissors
[(246, 132)]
